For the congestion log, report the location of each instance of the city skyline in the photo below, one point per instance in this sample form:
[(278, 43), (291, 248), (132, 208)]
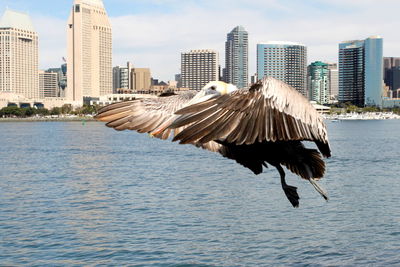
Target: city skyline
[(153, 34)]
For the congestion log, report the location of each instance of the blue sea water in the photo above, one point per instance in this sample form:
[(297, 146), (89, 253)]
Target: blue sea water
[(74, 194)]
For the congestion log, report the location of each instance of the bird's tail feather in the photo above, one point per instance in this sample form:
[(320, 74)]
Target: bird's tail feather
[(319, 189), (305, 162)]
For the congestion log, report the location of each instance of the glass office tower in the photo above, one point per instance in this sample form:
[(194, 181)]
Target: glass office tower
[(236, 57), (361, 71)]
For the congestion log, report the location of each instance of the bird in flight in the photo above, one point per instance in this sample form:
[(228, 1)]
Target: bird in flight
[(264, 124)]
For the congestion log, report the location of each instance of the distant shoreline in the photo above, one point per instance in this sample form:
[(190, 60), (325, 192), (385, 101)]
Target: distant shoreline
[(363, 116), (45, 119)]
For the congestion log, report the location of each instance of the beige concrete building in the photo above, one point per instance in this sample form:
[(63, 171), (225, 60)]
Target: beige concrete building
[(18, 55), (48, 84), (142, 79), (89, 48), (198, 67)]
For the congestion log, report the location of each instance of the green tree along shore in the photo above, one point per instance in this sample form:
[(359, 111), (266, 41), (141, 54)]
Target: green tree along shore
[(16, 112), (349, 108)]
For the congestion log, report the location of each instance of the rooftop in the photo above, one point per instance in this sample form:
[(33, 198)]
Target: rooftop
[(17, 20), (239, 28), (96, 3), (281, 43)]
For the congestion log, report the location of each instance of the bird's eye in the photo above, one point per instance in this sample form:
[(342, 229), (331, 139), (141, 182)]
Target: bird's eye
[(213, 87)]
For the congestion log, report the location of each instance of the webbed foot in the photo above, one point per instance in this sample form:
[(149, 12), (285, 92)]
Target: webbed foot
[(291, 194)]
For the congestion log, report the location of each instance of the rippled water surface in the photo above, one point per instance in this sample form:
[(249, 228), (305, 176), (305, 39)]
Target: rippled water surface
[(73, 194)]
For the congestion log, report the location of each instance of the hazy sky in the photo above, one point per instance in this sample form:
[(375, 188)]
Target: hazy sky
[(153, 33)]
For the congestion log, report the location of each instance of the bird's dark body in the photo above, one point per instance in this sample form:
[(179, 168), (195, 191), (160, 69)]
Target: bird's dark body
[(291, 154)]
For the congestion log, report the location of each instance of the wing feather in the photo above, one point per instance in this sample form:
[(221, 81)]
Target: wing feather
[(151, 115)]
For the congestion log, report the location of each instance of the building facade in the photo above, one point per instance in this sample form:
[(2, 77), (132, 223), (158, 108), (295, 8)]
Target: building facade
[(333, 82), (122, 78), (198, 67), (89, 50), (19, 73), (361, 71), (236, 57), (285, 61), (318, 82), (142, 79), (391, 74), (48, 84)]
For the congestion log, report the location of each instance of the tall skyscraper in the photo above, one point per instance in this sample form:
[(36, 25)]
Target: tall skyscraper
[(361, 71), (236, 57), (285, 61), (318, 82), (198, 67), (19, 71), (89, 51)]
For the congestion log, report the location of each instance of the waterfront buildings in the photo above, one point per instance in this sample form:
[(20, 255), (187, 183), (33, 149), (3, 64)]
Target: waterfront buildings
[(236, 57), (318, 82), (285, 61), (130, 79), (19, 72), (361, 71), (198, 67), (89, 50)]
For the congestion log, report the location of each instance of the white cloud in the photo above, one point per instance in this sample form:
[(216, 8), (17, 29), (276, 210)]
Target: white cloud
[(52, 41)]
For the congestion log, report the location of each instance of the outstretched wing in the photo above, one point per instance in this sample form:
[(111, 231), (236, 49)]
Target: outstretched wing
[(270, 110), (145, 115)]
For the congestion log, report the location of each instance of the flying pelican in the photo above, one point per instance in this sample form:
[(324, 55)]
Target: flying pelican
[(263, 124)]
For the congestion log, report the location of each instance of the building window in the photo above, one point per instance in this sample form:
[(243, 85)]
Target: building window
[(77, 8)]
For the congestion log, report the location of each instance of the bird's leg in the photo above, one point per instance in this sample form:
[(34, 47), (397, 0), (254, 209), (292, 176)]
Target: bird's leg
[(290, 191)]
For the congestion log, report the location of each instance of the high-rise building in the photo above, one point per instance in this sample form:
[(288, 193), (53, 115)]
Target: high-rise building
[(361, 71), (333, 81), (285, 61), (318, 82), (198, 67), (19, 71), (391, 72), (48, 84), (236, 57), (89, 51)]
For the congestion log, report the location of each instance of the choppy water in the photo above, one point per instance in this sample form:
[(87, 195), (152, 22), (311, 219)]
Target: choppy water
[(73, 194)]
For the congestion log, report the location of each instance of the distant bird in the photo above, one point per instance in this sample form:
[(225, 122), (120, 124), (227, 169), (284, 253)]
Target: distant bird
[(263, 124)]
